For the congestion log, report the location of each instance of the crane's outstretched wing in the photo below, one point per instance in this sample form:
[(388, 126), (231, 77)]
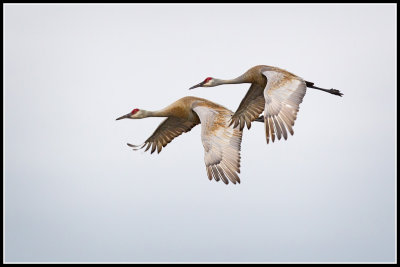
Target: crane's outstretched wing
[(250, 107), (221, 144), (166, 132), (283, 95)]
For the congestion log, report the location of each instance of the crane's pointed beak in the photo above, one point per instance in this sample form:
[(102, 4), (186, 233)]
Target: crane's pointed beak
[(197, 85), (124, 117)]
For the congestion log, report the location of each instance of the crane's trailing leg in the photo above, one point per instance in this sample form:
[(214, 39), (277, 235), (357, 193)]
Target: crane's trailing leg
[(331, 91), (260, 119)]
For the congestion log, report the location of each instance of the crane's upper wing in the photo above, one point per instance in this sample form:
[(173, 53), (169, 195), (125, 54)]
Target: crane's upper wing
[(250, 107), (283, 95), (166, 132), (221, 144)]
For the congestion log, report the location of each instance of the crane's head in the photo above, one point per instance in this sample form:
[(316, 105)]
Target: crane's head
[(134, 114), (208, 82)]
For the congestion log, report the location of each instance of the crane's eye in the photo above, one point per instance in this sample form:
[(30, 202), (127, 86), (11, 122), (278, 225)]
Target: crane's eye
[(134, 111), (207, 79)]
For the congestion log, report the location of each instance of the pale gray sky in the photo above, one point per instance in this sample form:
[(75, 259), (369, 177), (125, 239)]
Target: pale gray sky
[(74, 192)]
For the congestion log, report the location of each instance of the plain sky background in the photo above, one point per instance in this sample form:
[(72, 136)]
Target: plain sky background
[(74, 192)]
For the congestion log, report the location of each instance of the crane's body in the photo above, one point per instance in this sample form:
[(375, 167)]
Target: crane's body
[(273, 90), (221, 141)]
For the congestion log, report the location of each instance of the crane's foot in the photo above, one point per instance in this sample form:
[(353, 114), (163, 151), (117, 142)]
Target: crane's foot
[(335, 92)]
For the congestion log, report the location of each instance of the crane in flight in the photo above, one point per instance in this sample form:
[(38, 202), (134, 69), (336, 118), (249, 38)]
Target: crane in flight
[(275, 91), (221, 141)]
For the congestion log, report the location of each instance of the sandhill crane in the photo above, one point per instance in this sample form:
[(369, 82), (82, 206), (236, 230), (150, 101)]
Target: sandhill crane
[(275, 91), (221, 141)]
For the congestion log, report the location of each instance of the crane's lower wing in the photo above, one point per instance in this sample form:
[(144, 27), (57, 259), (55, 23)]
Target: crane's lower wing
[(250, 107), (166, 132), (221, 144), (283, 95)]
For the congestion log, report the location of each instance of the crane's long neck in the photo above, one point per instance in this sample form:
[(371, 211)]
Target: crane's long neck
[(240, 79), (157, 113)]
